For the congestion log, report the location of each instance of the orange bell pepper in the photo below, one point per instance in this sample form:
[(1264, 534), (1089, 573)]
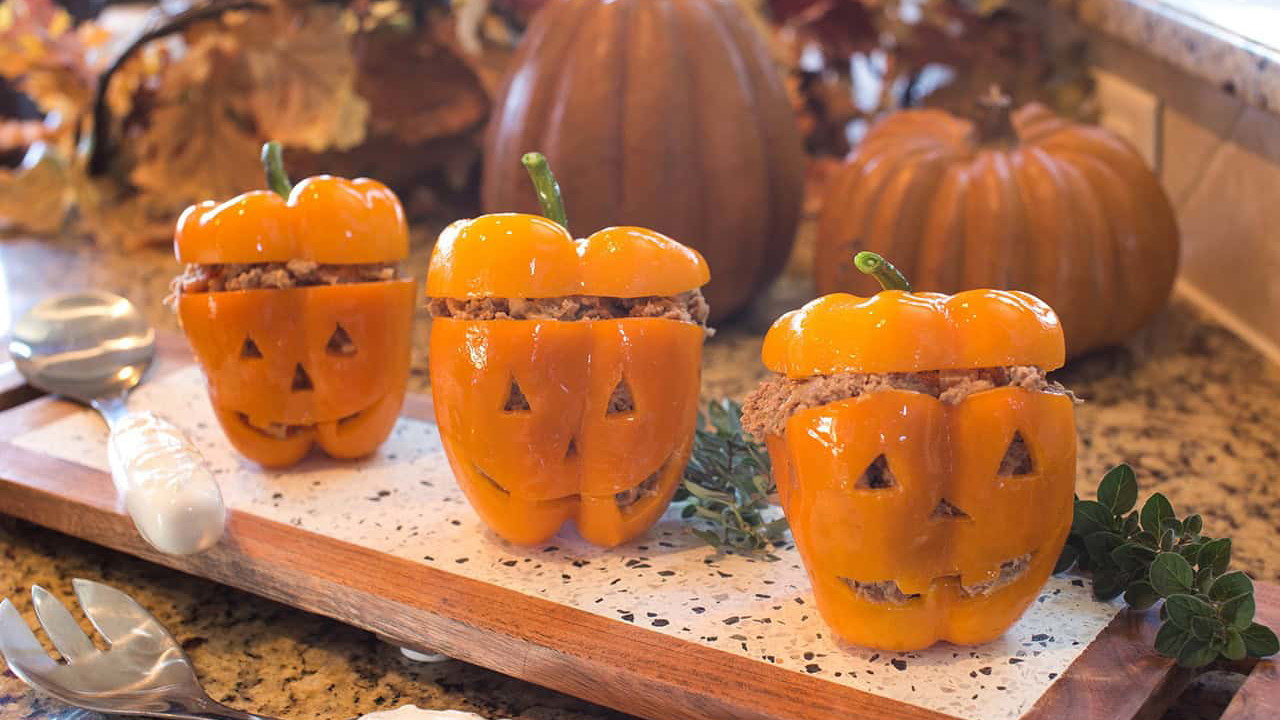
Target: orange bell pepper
[(565, 455), (268, 354), (850, 533)]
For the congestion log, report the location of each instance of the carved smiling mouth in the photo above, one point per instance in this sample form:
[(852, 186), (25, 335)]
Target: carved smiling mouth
[(888, 592), (626, 500), (284, 431)]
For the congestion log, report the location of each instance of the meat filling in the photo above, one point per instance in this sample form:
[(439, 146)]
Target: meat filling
[(688, 307), (887, 591), (766, 410), (295, 273)]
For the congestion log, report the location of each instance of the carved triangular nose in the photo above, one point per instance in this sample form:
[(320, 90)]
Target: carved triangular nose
[(301, 380), (947, 511)]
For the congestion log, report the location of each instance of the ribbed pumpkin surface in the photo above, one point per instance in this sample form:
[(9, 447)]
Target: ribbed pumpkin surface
[(1067, 212), (667, 114)]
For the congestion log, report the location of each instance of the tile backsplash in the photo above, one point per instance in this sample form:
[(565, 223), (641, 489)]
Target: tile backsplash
[(1219, 159)]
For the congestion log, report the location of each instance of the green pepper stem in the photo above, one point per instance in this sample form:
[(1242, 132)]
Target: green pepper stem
[(890, 277), (273, 165), (544, 182)]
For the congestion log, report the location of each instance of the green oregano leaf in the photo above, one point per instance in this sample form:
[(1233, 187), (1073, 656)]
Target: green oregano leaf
[(1260, 641), (1196, 653), (1193, 525), (1238, 611), (1231, 585), (1154, 512), (1235, 648), (1216, 554), (1140, 595), (1091, 517), (1170, 638), (1170, 574), (1204, 628), (1119, 489), (1183, 608)]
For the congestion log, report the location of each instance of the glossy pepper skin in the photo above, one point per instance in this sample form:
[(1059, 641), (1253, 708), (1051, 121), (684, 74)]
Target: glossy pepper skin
[(528, 471), (351, 397), (846, 530)]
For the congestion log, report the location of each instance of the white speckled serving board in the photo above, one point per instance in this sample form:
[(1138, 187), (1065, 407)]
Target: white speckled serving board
[(403, 502)]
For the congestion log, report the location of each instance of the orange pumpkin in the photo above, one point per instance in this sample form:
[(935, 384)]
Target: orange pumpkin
[(1021, 200), (665, 115)]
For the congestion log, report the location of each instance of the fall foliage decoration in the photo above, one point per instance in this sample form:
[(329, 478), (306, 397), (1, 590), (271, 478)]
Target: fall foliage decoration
[(686, 130), (1012, 199), (133, 135)]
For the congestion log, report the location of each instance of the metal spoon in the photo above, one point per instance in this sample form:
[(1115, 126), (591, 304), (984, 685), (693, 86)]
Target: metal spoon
[(93, 347)]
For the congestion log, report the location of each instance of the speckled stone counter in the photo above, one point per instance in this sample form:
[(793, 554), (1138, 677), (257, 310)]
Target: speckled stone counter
[(1233, 44), (1193, 408)]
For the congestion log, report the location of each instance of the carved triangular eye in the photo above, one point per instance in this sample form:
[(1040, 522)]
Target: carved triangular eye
[(301, 380), (621, 401), (1017, 459), (946, 511), (516, 401), (877, 476), (572, 450), (340, 343), (250, 349)]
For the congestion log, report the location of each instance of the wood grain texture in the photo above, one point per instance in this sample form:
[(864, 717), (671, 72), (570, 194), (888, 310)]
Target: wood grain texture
[(1118, 677), (632, 669), (1259, 696)]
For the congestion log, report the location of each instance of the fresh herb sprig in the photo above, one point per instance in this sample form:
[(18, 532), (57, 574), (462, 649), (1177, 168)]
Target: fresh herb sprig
[(1150, 554), (727, 485)]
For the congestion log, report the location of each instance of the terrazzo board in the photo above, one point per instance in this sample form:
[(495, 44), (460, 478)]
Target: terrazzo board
[(403, 502)]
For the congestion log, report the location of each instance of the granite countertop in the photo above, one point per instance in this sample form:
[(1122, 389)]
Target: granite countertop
[(1194, 409), (1232, 44)]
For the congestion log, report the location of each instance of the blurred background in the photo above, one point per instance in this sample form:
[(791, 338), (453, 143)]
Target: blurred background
[(117, 116)]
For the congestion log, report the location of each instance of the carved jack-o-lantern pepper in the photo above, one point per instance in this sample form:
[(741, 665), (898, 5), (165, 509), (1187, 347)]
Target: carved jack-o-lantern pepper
[(565, 373), (292, 305), (924, 462)]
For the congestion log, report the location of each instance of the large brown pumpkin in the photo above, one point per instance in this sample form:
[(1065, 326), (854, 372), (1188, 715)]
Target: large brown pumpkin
[(1023, 200), (666, 114)]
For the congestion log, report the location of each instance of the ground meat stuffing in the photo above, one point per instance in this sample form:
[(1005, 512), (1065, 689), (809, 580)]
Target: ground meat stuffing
[(295, 273), (766, 410), (880, 592), (631, 496), (1010, 570), (688, 307)]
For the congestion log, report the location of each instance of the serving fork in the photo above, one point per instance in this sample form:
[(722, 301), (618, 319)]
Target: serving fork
[(144, 671)]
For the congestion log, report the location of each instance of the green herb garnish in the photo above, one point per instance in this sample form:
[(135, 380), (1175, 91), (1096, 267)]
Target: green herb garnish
[(727, 485), (1148, 555)]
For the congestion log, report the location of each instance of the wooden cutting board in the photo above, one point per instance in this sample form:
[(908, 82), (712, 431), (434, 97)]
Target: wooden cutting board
[(658, 628)]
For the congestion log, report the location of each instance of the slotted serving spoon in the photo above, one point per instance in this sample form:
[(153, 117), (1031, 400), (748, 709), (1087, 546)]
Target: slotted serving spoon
[(145, 672)]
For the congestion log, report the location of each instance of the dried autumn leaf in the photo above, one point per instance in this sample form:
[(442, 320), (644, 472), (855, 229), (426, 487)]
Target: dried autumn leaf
[(36, 195), (198, 144), (302, 77), (47, 60), (121, 218)]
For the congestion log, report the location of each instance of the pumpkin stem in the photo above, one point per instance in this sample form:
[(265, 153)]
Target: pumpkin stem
[(890, 277), (544, 182), (993, 122), (273, 165)]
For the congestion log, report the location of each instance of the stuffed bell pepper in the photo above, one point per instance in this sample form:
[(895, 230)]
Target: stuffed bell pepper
[(293, 305), (925, 463), (565, 372)]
